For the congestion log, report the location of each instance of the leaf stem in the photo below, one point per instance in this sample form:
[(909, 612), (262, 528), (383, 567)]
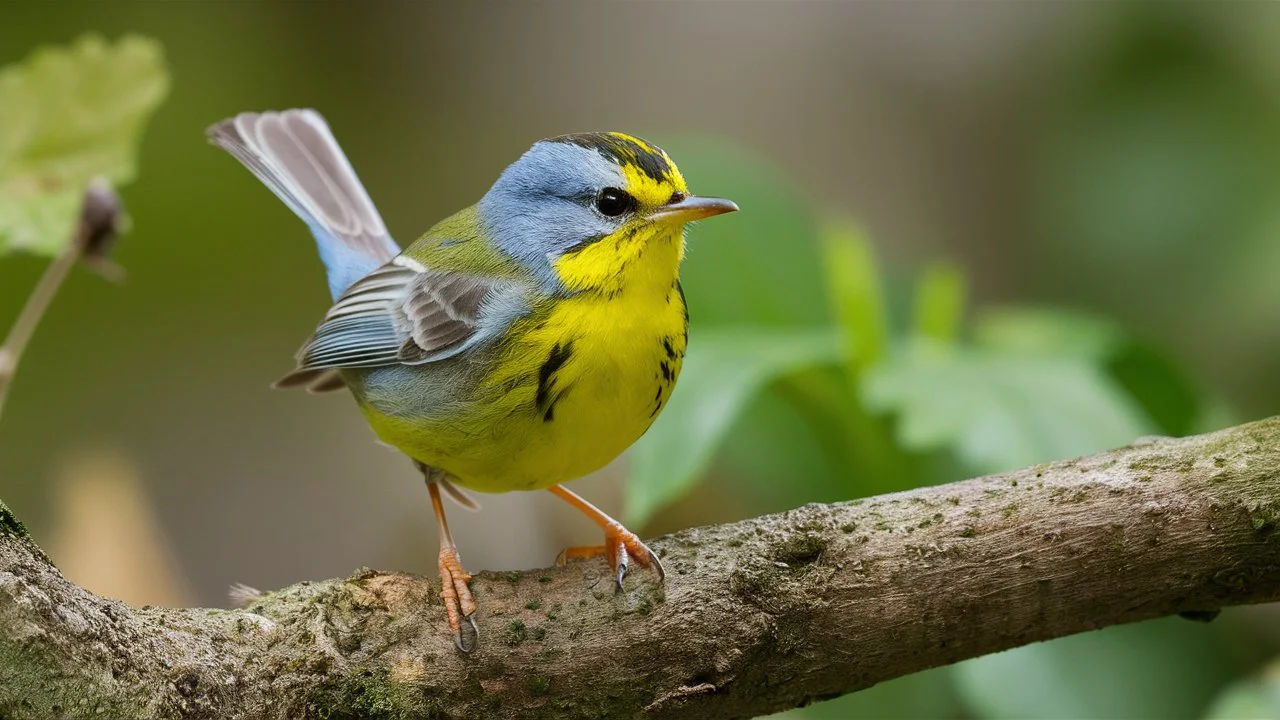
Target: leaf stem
[(37, 303)]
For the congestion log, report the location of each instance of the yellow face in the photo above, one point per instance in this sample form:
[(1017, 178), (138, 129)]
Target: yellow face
[(646, 249)]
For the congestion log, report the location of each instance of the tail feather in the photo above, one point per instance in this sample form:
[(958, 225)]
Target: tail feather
[(294, 153)]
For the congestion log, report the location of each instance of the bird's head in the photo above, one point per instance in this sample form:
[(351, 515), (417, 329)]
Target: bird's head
[(581, 210)]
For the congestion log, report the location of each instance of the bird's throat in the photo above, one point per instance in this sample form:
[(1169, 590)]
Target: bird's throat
[(640, 259)]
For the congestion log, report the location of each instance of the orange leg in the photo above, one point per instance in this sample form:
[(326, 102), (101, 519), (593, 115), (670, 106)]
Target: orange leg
[(458, 602), (620, 544)]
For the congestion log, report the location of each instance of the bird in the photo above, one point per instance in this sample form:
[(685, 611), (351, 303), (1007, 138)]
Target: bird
[(523, 342)]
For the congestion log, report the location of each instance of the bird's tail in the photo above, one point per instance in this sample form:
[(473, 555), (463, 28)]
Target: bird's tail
[(294, 153)]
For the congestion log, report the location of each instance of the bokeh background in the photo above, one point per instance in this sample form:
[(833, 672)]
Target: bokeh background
[(1117, 158)]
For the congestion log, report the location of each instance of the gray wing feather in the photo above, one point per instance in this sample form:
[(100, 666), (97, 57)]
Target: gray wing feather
[(399, 314)]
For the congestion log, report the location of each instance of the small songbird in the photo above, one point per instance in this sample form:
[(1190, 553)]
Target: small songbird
[(521, 343)]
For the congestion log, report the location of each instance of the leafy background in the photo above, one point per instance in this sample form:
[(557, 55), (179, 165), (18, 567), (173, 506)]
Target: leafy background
[(974, 237)]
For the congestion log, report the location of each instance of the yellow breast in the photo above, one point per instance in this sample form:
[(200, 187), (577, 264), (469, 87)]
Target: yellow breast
[(577, 382)]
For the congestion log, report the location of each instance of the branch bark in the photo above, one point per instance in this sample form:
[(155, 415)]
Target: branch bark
[(757, 616)]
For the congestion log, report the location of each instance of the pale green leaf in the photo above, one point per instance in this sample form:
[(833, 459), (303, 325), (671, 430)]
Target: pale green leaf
[(722, 372), (853, 281), (1147, 375), (70, 114), (1047, 331), (999, 411)]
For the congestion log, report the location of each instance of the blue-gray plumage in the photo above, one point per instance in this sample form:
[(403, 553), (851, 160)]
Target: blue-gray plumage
[(543, 205)]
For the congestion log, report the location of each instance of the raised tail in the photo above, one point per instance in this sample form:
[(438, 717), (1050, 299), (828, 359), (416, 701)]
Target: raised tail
[(294, 153)]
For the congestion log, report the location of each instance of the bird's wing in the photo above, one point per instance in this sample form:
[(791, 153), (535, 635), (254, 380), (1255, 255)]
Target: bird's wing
[(405, 313), (294, 153)]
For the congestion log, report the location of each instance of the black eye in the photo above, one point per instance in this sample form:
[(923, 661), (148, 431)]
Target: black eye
[(614, 202)]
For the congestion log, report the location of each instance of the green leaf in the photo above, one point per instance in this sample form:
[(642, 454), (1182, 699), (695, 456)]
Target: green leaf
[(723, 371), (1166, 668), (783, 432), (70, 114), (1151, 379), (853, 281), (999, 411), (1048, 332), (940, 303), (1160, 386)]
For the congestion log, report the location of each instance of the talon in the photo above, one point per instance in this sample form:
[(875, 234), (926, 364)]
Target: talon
[(620, 571), (472, 640), (657, 565)]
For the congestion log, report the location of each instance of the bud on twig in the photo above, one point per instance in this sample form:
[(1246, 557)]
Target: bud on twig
[(102, 220)]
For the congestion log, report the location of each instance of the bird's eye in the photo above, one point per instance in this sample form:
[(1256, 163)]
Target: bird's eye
[(614, 202)]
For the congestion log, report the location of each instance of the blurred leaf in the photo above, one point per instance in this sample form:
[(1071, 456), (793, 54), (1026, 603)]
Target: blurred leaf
[(1156, 383), (69, 115), (1254, 697), (999, 411), (759, 266), (939, 304), (785, 450), (1165, 668), (1047, 331), (853, 280), (1149, 377), (928, 694), (723, 371)]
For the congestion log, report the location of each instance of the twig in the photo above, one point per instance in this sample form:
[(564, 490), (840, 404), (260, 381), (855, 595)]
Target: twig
[(25, 326), (757, 616), (101, 214)]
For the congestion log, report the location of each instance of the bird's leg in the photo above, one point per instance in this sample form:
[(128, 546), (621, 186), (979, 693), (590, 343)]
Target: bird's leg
[(458, 602), (620, 544)]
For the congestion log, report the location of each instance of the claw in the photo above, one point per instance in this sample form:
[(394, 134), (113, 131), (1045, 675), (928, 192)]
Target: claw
[(472, 639), (620, 571), (656, 564)]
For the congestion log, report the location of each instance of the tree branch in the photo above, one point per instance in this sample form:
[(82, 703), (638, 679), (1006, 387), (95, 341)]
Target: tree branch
[(757, 616)]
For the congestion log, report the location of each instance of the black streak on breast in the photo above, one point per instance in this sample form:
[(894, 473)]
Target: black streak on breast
[(547, 395)]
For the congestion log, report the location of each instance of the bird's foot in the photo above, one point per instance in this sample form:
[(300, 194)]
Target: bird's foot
[(458, 601), (620, 546)]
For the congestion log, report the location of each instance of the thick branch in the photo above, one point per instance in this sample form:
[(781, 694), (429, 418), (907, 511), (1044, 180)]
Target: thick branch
[(757, 616)]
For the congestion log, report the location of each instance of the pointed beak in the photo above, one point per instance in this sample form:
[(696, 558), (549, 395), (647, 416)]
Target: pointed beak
[(693, 208)]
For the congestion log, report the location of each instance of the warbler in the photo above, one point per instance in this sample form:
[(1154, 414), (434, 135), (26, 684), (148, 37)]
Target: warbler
[(523, 342)]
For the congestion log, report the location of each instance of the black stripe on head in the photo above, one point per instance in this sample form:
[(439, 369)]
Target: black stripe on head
[(623, 151)]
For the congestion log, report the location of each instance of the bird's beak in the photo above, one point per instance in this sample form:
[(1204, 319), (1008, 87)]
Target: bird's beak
[(693, 208)]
